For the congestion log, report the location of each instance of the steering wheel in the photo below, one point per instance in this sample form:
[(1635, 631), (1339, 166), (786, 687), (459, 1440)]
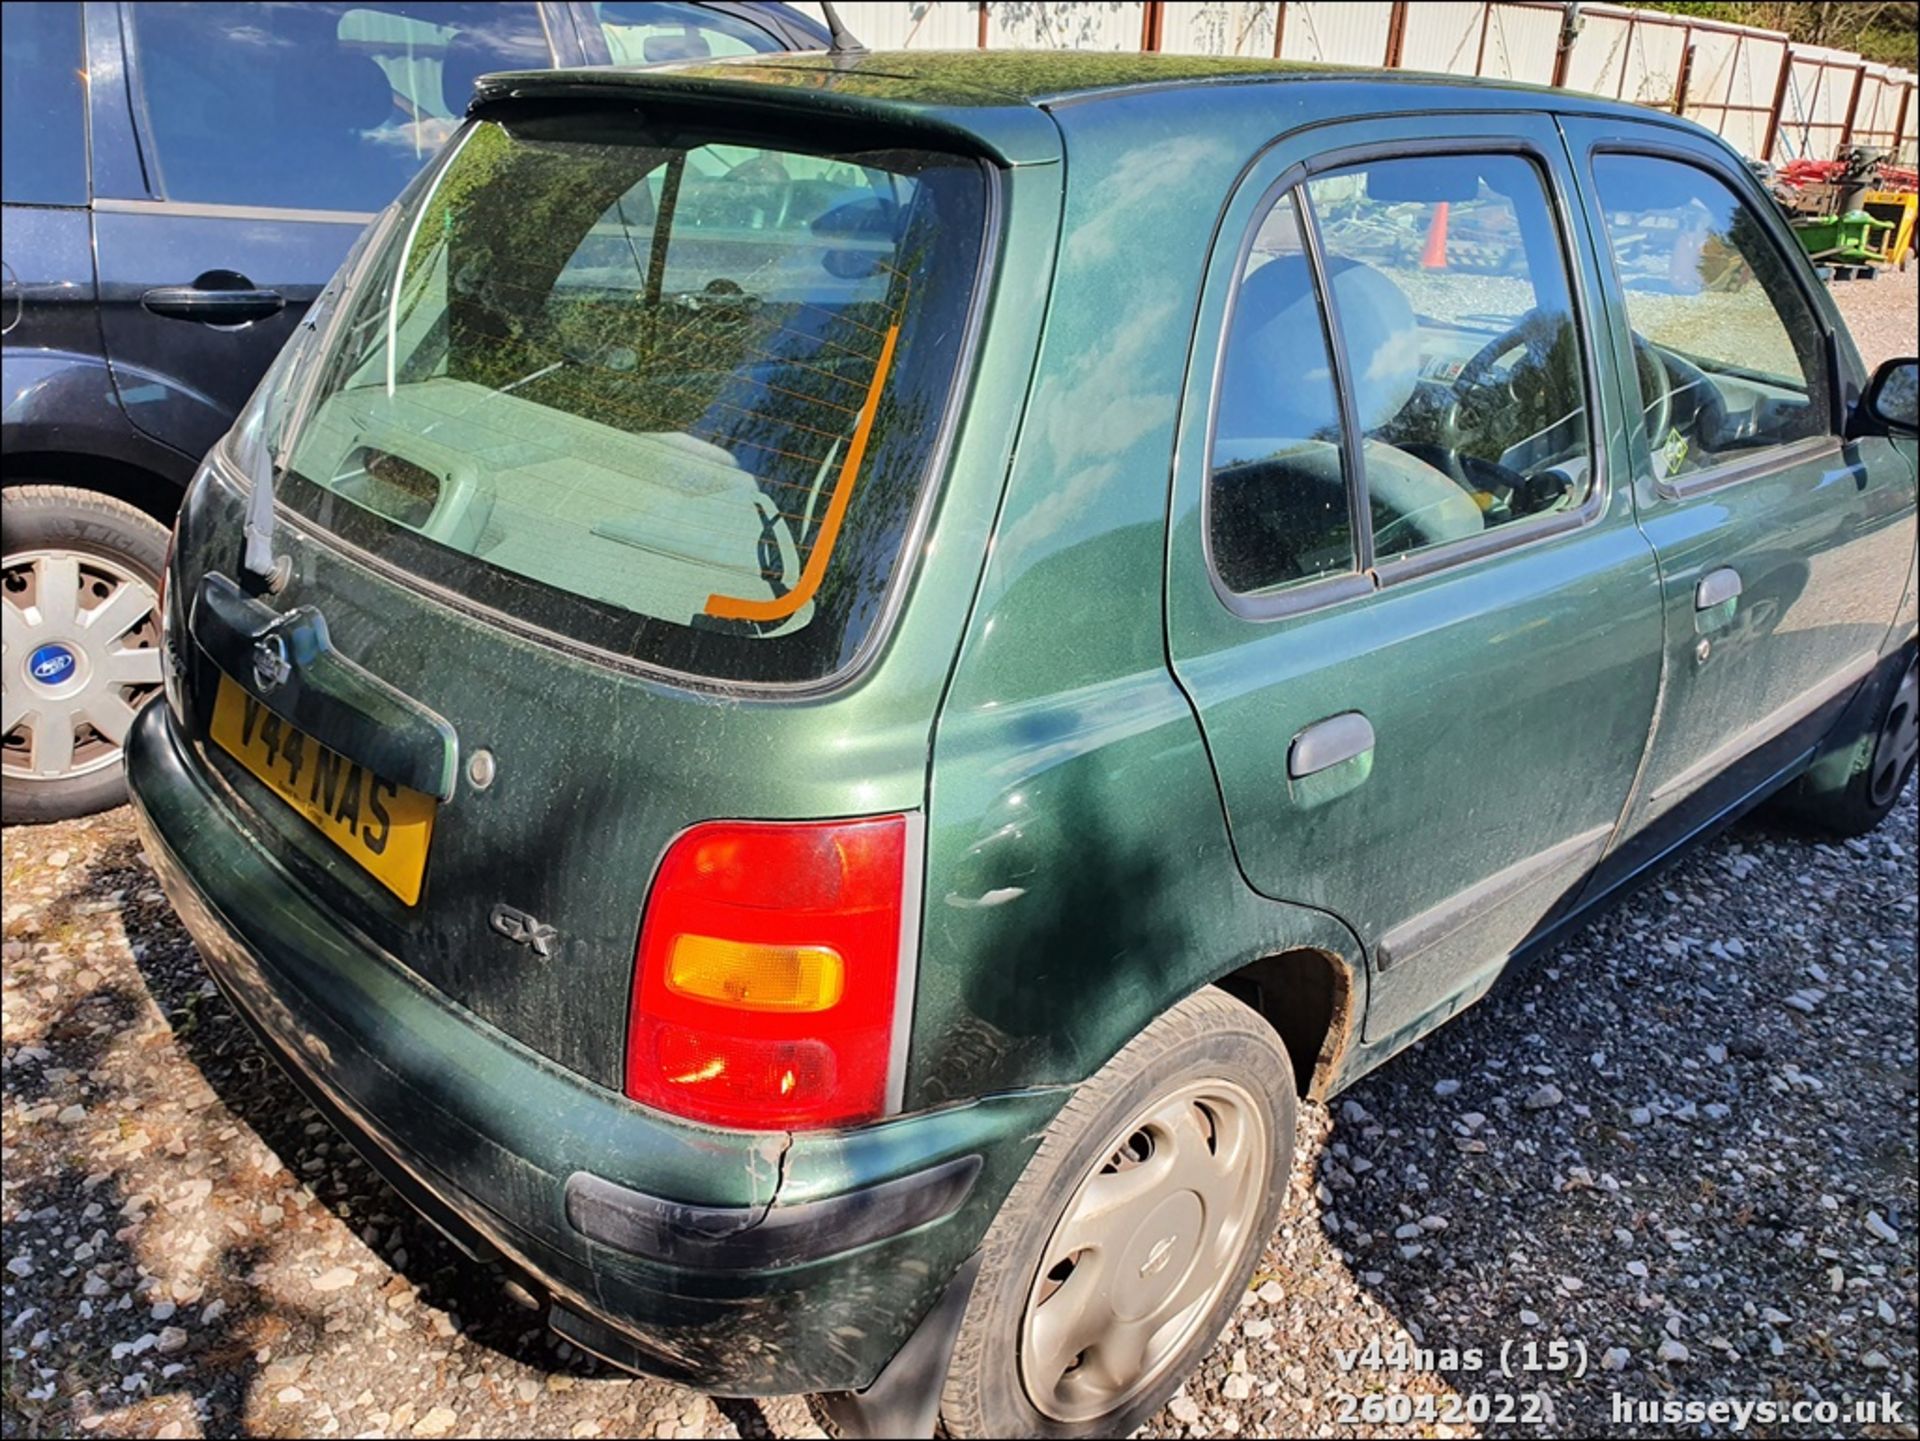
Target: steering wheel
[(1476, 406), (1697, 406), (1656, 390)]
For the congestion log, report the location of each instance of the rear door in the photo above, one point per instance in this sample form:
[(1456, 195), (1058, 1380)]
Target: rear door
[(1407, 596), (269, 135), (1783, 545)]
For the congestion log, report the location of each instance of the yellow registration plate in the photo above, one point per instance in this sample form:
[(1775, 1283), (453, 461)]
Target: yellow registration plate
[(384, 828)]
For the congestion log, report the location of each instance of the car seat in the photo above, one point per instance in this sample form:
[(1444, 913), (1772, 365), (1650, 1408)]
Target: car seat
[(1277, 399)]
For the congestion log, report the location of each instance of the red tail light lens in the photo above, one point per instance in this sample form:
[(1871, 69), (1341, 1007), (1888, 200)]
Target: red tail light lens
[(768, 973)]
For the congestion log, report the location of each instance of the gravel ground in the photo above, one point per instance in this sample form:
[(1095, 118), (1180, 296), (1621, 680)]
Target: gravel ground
[(1685, 1142), (1883, 313)]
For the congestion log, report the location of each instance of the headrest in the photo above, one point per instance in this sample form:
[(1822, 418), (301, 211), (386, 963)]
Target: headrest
[(865, 224), (350, 94), (663, 47), (1277, 380), (465, 61)]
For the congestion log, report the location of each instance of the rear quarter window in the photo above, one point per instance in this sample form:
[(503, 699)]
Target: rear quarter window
[(674, 399)]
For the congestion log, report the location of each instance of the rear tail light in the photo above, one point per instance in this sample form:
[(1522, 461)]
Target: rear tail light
[(768, 973)]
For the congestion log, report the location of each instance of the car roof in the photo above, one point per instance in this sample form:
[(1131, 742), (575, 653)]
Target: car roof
[(995, 96)]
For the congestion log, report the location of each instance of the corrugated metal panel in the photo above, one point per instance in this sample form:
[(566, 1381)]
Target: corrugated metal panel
[(1710, 79), (1653, 64), (1599, 61), (1086, 25), (1732, 82), (920, 25), (1192, 28), (1907, 105), (1634, 55), (1521, 43), (1630, 55), (1878, 114), (1445, 36), (1764, 59), (1866, 108), (1350, 34), (1813, 114)]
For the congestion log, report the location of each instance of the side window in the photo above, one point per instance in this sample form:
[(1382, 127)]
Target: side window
[(1727, 348), (44, 136), (321, 106), (1450, 293), (650, 32), (1277, 506)]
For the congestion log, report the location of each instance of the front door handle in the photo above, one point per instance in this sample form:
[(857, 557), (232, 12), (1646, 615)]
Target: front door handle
[(1328, 743), (1717, 588), (213, 307)]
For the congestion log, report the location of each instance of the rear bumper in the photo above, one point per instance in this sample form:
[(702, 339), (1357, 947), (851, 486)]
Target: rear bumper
[(745, 1264)]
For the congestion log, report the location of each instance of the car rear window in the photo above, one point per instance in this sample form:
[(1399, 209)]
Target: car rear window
[(675, 397)]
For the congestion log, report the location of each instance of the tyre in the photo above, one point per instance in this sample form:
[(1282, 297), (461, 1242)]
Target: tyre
[(1873, 788), (1128, 1241), (81, 581)]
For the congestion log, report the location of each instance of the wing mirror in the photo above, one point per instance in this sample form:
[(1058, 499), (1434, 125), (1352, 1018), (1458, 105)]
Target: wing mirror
[(1893, 396)]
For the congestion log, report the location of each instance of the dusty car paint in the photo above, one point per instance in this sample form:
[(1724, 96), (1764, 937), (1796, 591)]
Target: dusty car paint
[(1089, 733)]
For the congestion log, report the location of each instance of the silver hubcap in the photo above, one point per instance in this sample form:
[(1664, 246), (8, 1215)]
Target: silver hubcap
[(82, 655), (1143, 1251), (1899, 739)]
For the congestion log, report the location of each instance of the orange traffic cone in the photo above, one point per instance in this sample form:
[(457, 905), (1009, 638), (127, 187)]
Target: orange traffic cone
[(1434, 257)]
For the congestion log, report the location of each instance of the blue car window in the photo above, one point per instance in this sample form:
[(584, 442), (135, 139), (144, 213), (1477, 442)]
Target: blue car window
[(45, 155), (318, 107), (652, 32)]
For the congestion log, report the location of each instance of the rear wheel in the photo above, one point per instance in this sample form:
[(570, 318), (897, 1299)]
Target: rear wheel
[(1874, 788), (80, 580), (1125, 1246)]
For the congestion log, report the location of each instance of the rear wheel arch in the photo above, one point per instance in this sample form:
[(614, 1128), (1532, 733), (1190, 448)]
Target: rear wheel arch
[(1309, 997), (147, 491)]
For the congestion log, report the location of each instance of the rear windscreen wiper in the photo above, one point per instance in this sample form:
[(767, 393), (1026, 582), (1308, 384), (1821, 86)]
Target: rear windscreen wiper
[(257, 557)]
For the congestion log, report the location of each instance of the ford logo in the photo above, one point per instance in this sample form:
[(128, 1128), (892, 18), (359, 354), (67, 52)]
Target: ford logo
[(51, 664)]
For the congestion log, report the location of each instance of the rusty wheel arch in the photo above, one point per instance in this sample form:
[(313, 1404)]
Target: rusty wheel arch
[(1307, 996)]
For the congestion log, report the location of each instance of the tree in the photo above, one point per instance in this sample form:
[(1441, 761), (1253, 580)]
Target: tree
[(1887, 31)]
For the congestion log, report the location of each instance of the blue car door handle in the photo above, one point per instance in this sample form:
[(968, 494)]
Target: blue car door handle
[(213, 307)]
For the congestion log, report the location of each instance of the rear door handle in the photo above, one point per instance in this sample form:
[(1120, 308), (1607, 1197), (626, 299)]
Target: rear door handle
[(1329, 743), (1717, 588), (213, 307)]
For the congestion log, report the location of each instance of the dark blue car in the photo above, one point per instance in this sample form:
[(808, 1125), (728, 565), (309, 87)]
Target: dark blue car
[(179, 183)]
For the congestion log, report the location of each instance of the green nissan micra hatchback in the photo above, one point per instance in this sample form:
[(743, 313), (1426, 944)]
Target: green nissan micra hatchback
[(821, 687)]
